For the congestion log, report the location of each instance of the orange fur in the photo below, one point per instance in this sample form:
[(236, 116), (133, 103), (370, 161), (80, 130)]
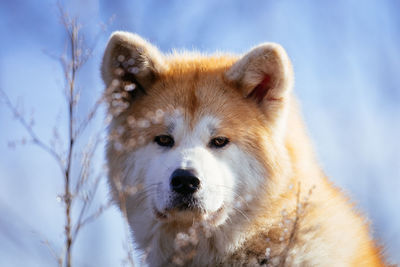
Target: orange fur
[(297, 227)]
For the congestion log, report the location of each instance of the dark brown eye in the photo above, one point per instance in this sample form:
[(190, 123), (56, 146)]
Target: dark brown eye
[(219, 142), (164, 140)]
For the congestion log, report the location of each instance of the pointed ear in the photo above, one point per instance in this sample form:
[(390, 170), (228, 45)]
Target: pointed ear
[(264, 75), (130, 63)]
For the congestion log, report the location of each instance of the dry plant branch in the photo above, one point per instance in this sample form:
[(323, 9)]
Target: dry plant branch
[(123, 194), (293, 233), (83, 182), (29, 129), (301, 207)]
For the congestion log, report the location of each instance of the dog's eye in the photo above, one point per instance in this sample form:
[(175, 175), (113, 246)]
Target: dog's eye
[(164, 140), (219, 142)]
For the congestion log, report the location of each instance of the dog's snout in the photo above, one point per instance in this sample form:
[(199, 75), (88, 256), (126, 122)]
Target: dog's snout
[(184, 182)]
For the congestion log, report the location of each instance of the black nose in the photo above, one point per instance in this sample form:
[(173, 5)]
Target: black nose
[(184, 182)]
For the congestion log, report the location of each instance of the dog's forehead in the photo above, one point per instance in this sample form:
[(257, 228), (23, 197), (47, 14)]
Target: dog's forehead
[(181, 124), (192, 98)]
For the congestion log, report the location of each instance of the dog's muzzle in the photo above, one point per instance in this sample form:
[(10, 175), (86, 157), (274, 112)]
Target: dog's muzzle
[(184, 185)]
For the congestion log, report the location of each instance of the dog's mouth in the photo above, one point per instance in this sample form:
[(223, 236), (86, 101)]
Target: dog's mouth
[(185, 213), (159, 215), (180, 211), (176, 216), (186, 203)]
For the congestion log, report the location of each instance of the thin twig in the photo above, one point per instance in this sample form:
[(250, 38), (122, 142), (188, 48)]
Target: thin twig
[(293, 233), (122, 197), (82, 126), (53, 252), (35, 139), (93, 216)]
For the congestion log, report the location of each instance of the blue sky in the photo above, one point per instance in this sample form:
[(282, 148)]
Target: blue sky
[(346, 56)]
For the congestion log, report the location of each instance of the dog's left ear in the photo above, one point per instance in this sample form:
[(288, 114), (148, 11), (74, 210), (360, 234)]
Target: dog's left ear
[(264, 75), (131, 61)]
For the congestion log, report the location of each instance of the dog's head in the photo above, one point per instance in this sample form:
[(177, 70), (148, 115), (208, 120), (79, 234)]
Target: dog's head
[(192, 137)]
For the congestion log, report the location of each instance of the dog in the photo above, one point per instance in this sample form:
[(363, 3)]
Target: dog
[(210, 163)]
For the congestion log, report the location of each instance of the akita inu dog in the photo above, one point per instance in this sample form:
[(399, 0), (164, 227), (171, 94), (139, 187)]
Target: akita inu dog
[(211, 164)]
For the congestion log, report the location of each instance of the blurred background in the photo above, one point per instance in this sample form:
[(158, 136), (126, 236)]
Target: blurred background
[(346, 56)]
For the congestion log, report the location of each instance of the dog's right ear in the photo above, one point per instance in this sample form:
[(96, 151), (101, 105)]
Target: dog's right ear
[(264, 76), (130, 63)]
